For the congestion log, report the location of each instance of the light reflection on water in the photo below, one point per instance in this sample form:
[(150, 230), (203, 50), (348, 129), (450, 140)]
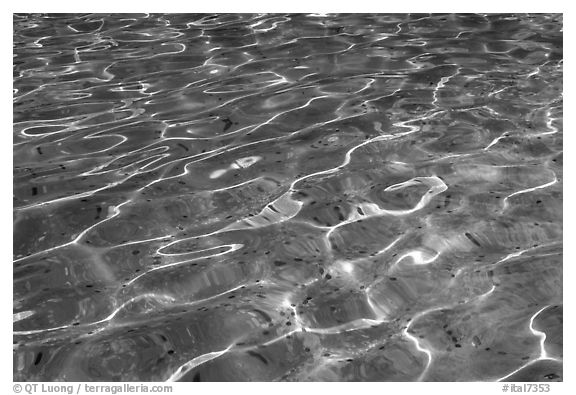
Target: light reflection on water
[(287, 197)]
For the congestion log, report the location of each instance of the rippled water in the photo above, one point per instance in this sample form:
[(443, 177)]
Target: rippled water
[(288, 197)]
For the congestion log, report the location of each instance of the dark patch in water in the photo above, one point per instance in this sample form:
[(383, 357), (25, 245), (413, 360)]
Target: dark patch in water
[(256, 355), (472, 239)]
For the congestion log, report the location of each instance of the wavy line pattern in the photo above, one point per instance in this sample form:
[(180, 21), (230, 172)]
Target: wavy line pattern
[(293, 197)]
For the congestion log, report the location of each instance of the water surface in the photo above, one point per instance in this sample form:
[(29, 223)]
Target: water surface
[(287, 197)]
